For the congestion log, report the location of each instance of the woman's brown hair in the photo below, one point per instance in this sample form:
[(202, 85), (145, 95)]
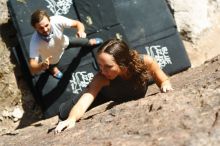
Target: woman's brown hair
[(128, 58)]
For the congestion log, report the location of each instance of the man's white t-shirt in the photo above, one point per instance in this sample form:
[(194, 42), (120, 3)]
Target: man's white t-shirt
[(56, 45)]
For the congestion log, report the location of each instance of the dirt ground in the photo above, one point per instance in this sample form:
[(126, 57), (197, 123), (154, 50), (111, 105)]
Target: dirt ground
[(15, 93)]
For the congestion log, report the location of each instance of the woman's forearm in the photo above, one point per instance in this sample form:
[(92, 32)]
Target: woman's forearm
[(158, 74), (88, 97), (81, 106)]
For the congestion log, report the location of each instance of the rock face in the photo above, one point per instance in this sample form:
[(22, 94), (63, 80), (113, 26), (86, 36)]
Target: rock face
[(193, 17), (187, 116)]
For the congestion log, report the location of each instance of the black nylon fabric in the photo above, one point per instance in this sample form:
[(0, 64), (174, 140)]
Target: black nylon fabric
[(96, 14), (142, 18), (169, 52)]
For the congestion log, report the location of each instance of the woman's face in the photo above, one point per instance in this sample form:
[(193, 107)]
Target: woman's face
[(109, 68)]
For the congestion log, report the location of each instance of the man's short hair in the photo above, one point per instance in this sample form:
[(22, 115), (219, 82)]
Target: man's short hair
[(37, 16)]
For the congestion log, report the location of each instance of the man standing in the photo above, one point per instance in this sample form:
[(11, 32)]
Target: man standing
[(48, 42)]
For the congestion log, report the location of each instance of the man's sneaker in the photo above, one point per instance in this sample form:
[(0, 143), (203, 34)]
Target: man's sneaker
[(95, 41)]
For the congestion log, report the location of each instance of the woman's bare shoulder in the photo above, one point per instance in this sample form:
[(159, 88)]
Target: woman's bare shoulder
[(148, 60), (99, 80)]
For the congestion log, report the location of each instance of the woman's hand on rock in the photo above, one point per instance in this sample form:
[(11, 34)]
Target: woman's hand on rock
[(64, 125)]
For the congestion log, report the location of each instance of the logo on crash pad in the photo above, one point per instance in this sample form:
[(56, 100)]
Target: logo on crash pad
[(59, 7), (80, 80), (160, 53)]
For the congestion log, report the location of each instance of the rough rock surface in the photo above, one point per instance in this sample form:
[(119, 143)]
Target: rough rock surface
[(188, 116), (193, 17)]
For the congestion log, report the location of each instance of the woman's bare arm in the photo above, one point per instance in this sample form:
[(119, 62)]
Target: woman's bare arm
[(83, 103), (158, 75)]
